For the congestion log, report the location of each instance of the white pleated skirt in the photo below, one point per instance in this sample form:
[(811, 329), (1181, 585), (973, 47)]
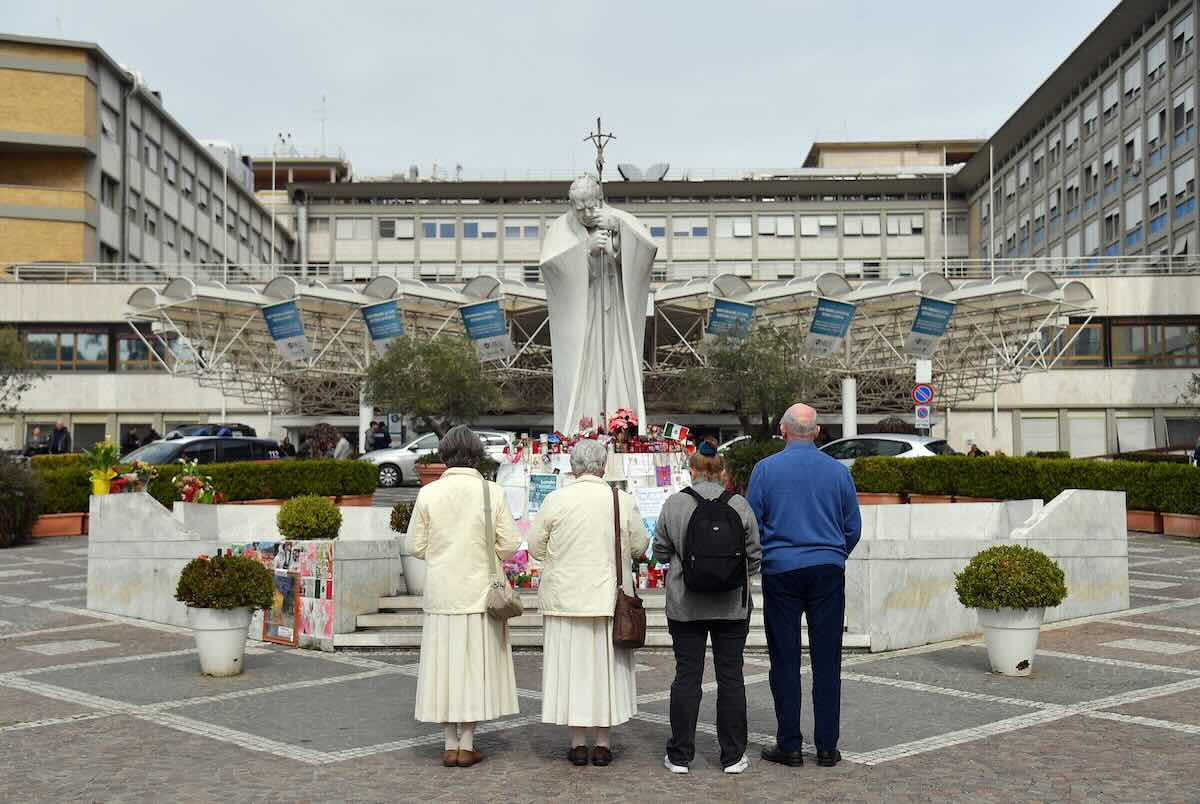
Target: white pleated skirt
[(585, 680), (466, 670)]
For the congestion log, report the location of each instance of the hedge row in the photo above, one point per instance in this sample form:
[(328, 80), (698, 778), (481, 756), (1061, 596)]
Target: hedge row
[(1162, 487), (67, 488), (740, 459), (57, 461)]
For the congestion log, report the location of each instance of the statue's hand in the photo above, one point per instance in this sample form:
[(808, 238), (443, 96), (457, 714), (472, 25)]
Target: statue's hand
[(605, 220), (599, 242)]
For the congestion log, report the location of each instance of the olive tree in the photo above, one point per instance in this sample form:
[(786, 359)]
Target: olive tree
[(17, 374)]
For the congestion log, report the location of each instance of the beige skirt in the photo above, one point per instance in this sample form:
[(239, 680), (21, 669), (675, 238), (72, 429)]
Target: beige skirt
[(585, 680), (466, 670)]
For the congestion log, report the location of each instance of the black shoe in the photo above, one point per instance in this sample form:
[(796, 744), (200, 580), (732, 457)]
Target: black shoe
[(793, 759), (827, 759), (578, 755), (601, 756)]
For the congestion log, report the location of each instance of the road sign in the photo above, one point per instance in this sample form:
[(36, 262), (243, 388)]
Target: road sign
[(922, 393), (923, 416)]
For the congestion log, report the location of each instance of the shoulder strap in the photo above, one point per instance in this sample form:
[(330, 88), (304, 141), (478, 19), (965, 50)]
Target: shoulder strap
[(691, 492), (617, 537), (489, 526), (726, 496)]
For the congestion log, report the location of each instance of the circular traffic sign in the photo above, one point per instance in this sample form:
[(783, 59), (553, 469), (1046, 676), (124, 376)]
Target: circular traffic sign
[(921, 413), (922, 393)]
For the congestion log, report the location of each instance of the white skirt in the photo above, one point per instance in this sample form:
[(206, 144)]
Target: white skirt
[(466, 670), (585, 680)]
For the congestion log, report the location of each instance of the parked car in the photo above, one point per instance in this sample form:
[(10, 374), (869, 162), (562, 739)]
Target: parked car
[(896, 445), (738, 441), (244, 430), (398, 464), (206, 449)]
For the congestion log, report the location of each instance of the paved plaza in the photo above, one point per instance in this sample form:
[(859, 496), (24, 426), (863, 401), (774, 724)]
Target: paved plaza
[(99, 708)]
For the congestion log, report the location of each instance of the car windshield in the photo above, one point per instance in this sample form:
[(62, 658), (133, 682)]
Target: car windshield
[(940, 448), (160, 452)]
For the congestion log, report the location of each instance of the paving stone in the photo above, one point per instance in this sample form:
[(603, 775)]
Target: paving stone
[(19, 706), (1181, 708), (1151, 646), (67, 646), (128, 641)]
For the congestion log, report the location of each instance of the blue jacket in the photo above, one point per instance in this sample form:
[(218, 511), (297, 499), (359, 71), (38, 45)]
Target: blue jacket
[(807, 509)]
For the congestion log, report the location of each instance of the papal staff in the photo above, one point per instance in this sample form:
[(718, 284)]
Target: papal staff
[(600, 139)]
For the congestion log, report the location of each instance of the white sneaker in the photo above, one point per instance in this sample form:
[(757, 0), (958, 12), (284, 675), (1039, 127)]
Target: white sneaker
[(673, 768), (739, 766)]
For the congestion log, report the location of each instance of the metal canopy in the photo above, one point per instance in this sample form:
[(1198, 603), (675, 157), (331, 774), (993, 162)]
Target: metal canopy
[(1000, 330)]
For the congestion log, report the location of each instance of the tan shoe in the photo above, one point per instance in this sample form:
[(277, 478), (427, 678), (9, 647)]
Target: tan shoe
[(450, 759), (468, 758)]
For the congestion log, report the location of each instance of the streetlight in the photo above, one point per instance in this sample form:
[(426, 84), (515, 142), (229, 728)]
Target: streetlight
[(285, 139)]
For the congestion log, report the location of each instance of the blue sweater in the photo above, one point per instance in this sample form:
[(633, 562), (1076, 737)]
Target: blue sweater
[(807, 509)]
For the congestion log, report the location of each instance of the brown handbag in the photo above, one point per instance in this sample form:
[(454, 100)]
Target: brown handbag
[(629, 616)]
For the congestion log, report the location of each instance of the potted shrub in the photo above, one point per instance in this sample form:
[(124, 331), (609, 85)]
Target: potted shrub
[(430, 468), (221, 594), (932, 480), (308, 517), (412, 567), (22, 498), (1178, 498), (102, 465), (1011, 586)]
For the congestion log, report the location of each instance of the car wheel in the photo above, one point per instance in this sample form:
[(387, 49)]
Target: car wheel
[(389, 476)]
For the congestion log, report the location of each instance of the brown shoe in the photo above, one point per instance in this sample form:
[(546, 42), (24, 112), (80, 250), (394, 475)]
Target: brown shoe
[(578, 755), (450, 759), (601, 756), (468, 758)]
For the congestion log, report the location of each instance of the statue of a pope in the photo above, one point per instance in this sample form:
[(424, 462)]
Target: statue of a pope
[(596, 263)]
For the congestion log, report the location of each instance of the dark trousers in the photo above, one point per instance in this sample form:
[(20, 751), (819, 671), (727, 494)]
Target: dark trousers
[(728, 644), (820, 594)]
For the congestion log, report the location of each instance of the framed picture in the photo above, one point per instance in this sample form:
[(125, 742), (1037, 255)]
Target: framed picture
[(281, 624)]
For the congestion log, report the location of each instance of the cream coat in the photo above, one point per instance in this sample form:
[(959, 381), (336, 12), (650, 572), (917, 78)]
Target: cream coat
[(573, 537), (447, 530)]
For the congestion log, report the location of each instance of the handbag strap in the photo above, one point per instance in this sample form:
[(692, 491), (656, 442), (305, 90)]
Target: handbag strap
[(617, 543), (489, 527)]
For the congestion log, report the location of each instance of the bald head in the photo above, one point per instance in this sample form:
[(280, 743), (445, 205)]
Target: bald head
[(799, 423)]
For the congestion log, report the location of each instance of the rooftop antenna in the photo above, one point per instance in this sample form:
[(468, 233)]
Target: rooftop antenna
[(322, 115)]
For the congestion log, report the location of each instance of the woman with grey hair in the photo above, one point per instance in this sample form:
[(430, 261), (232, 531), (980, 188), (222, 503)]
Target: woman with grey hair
[(465, 673), (587, 682)]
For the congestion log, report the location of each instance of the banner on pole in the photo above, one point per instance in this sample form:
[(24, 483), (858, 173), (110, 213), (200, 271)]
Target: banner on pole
[(488, 330), (287, 330), (729, 318), (933, 316), (384, 324), (827, 330)]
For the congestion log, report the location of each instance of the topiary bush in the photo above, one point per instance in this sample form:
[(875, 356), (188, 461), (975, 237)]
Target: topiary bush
[(225, 582), (882, 475), (308, 517), (741, 459), (22, 498), (1012, 577), (57, 461), (401, 516)]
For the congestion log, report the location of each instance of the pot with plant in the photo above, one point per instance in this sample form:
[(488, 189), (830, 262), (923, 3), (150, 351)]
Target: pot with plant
[(430, 467), (102, 462), (308, 517), (221, 594), (1011, 587), (412, 567)]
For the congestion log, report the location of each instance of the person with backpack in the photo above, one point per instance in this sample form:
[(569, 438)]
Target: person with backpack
[(709, 537)]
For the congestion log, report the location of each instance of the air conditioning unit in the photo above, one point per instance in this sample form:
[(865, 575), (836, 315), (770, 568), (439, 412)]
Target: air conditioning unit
[(1135, 167)]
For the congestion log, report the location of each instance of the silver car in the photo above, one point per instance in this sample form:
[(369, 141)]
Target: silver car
[(896, 445), (398, 464)]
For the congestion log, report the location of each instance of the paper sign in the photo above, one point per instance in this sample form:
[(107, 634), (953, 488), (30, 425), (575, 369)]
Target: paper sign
[(287, 330), (540, 487), (662, 475), (384, 324)]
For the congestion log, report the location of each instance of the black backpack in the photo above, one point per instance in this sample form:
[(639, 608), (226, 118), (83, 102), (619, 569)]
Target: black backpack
[(714, 550)]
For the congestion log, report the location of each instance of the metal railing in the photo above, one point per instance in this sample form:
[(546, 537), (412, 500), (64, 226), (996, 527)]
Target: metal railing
[(761, 270)]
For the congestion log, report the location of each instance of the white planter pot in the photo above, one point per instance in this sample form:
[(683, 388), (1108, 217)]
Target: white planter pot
[(220, 638), (1011, 636), (414, 574)]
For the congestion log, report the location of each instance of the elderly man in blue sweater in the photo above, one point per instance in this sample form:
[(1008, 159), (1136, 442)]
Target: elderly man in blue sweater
[(808, 520)]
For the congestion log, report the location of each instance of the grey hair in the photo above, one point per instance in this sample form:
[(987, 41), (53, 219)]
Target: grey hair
[(796, 428), (589, 457), (585, 185), (461, 447)]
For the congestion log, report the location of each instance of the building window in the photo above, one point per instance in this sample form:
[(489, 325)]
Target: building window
[(1182, 33), (1023, 172), (185, 244), (244, 230), (657, 227), (689, 227), (1091, 183), (1090, 117), (955, 224), (169, 230), (818, 225), (1111, 100), (903, 225), (150, 219), (387, 229), (1072, 132), (134, 355), (1133, 80), (1086, 349), (68, 351), (218, 211), (1010, 188), (1157, 344), (439, 230), (1039, 160), (1156, 61), (776, 226), (1039, 222), (1185, 187), (108, 122), (1184, 115), (1112, 226), (398, 229), (1091, 238), (186, 186), (150, 153), (170, 168), (531, 273), (481, 229), (1133, 150), (133, 145), (133, 209), (1133, 220), (728, 227), (1157, 197), (860, 225), (202, 196), (1112, 168), (110, 191), (1054, 150)]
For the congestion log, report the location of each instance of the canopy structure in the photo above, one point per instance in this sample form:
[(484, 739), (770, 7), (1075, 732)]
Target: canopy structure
[(1000, 330)]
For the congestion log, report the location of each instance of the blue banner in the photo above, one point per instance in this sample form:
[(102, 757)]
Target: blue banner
[(830, 323), (486, 326), (929, 326), (729, 318), (384, 324), (287, 330)]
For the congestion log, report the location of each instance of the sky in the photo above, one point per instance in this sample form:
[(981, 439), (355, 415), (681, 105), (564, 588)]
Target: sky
[(511, 88)]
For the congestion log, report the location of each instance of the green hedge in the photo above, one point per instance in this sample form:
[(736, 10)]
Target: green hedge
[(67, 488), (740, 460), (1162, 487), (57, 461)]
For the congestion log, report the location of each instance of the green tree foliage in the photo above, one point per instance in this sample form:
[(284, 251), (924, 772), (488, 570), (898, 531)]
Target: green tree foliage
[(17, 374), (438, 382), (756, 378)]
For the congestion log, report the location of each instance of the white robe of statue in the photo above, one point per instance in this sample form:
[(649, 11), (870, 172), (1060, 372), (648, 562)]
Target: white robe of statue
[(597, 305)]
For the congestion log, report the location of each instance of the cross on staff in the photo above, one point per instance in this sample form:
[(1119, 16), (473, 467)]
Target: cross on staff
[(599, 138)]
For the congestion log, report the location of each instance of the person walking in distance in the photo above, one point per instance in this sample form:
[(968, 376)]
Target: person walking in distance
[(808, 519)]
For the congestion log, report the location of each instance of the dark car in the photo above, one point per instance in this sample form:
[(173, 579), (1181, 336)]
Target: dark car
[(206, 449), (244, 430)]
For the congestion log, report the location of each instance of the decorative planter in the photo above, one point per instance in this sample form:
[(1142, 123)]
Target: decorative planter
[(1011, 636), (1181, 525), (355, 501), (929, 499), (220, 638), (877, 498), (100, 486), (429, 472), (412, 567), (1144, 521), (60, 525)]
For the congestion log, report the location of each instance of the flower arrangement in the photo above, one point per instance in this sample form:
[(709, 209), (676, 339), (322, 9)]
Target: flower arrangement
[(195, 487), (136, 477), (622, 422), (102, 465)]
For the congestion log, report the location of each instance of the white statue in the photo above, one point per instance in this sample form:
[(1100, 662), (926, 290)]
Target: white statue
[(596, 263)]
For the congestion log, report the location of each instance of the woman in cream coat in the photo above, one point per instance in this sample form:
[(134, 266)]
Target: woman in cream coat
[(466, 669), (586, 681)]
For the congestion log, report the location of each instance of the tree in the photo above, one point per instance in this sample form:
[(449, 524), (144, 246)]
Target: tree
[(757, 377), (438, 382), (17, 374)]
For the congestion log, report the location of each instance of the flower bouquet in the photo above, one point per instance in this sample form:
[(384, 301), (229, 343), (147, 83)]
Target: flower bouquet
[(195, 487), (102, 463), (623, 426), (136, 477)]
